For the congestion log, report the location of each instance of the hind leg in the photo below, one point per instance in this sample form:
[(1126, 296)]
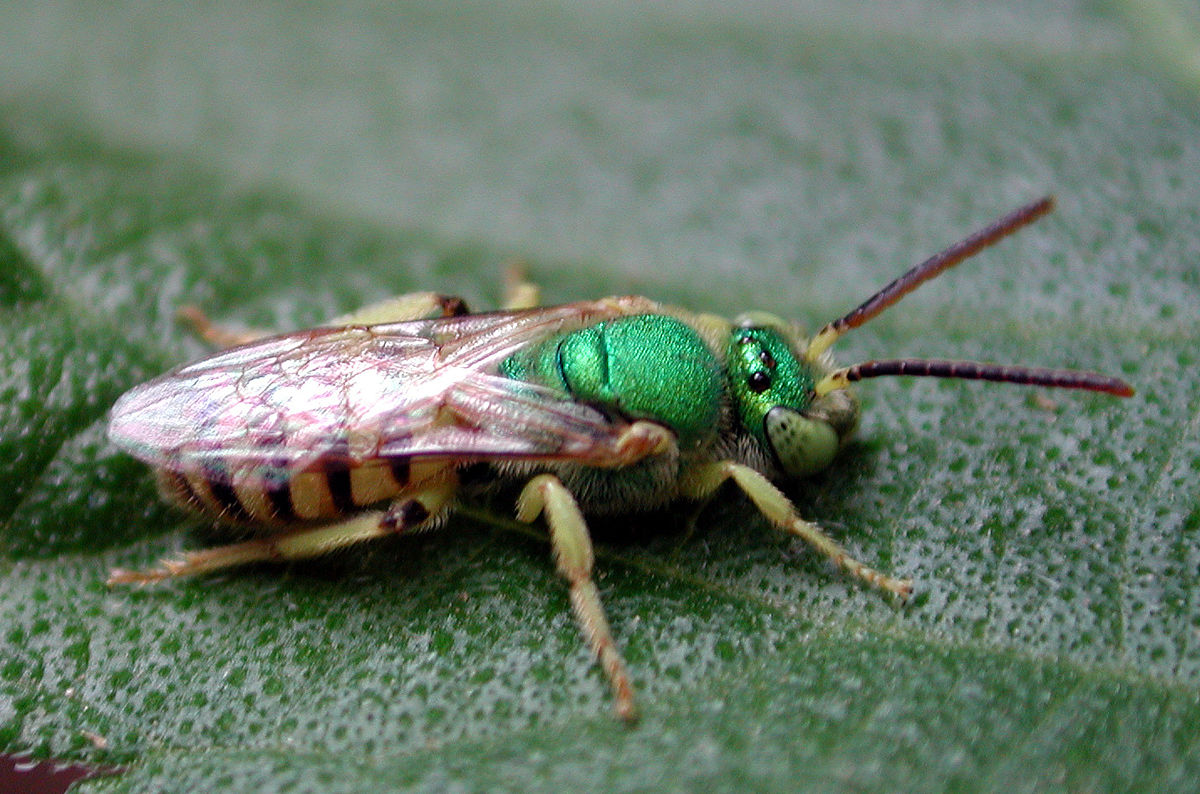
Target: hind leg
[(413, 306), (417, 511)]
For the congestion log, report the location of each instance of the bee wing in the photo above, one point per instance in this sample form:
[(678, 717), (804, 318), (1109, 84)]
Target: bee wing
[(496, 417), (348, 395)]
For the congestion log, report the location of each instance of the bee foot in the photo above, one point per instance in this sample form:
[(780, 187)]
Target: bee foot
[(640, 440)]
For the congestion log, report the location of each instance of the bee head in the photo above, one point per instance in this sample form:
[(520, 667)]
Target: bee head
[(774, 389), (797, 405)]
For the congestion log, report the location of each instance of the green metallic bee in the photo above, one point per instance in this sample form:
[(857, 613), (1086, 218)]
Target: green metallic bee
[(378, 423)]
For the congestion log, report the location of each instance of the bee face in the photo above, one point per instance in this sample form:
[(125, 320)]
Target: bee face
[(773, 389)]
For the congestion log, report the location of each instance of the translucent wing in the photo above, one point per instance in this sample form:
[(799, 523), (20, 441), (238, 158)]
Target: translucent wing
[(348, 395)]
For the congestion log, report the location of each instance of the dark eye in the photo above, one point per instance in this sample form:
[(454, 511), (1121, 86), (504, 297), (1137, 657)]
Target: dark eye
[(758, 382), (767, 359)]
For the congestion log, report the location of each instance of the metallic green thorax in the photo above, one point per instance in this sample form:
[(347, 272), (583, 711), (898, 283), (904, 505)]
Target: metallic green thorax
[(647, 366), (764, 374)]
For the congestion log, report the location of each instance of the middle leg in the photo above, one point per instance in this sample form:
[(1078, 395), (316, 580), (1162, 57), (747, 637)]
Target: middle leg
[(572, 545)]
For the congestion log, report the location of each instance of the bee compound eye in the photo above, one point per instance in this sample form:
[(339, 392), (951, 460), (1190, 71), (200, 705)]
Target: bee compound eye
[(758, 382)]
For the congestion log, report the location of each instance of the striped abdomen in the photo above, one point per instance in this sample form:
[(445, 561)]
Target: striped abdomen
[(305, 496)]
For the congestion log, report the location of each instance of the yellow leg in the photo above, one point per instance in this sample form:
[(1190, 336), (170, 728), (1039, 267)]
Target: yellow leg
[(216, 335), (414, 306), (638, 440), (519, 293), (780, 512), (573, 555), (406, 514)]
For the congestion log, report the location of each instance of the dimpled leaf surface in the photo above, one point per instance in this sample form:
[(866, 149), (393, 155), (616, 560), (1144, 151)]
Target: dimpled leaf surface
[(282, 163)]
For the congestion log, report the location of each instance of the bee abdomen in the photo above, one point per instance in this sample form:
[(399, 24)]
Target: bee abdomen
[(325, 493), (212, 493)]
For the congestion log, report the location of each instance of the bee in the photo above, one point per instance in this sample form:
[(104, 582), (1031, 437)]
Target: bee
[(381, 422)]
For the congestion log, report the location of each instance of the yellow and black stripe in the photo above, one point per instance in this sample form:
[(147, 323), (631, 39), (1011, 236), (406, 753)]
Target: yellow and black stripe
[(330, 491)]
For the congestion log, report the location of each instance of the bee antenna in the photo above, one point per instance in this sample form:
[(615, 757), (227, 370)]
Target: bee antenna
[(972, 370), (930, 268)]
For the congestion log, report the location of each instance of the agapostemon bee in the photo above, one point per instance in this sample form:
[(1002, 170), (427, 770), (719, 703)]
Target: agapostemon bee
[(382, 421)]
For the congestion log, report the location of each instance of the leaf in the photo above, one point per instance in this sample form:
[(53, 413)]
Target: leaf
[(280, 165)]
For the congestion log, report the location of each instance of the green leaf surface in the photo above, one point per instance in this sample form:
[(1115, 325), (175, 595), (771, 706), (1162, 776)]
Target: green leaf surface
[(284, 163)]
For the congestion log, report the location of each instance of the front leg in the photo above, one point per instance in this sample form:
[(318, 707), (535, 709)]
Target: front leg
[(706, 479)]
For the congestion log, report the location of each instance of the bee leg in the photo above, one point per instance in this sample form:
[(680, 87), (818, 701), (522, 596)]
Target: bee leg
[(771, 502), (639, 440), (573, 555), (413, 306), (417, 511), (216, 335), (519, 292), (690, 526)]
